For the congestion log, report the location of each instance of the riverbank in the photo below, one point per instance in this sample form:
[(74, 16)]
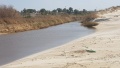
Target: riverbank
[(104, 42), (13, 21), (13, 25)]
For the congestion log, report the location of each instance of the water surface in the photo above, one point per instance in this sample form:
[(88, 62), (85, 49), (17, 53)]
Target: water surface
[(19, 45)]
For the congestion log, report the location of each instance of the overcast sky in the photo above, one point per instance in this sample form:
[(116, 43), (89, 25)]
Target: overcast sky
[(53, 4)]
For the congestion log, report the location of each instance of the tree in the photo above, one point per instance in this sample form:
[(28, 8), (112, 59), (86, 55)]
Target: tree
[(70, 9), (76, 11), (43, 11), (84, 11), (28, 11), (31, 10), (65, 10), (24, 10), (59, 10), (54, 11)]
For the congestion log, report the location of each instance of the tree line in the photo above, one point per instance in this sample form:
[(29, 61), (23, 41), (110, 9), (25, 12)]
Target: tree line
[(70, 10)]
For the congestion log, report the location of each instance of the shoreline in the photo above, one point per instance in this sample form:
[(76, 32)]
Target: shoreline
[(105, 43), (3, 33), (16, 25)]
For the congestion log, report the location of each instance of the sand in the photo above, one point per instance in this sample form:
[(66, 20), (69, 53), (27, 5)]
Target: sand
[(105, 44), (2, 33)]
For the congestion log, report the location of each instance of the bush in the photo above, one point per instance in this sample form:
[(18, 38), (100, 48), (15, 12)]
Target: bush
[(89, 24), (87, 20), (8, 15), (8, 12)]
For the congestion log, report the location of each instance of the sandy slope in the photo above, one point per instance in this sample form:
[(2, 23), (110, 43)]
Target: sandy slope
[(105, 42)]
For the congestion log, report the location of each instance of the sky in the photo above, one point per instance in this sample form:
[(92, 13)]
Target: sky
[(53, 4)]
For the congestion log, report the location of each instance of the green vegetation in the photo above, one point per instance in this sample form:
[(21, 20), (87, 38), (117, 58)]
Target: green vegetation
[(12, 20), (58, 11), (90, 51)]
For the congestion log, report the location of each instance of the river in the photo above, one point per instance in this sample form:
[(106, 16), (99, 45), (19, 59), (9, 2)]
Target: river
[(19, 45)]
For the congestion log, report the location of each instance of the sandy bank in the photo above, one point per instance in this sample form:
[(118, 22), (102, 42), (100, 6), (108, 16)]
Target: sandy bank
[(105, 42), (2, 33)]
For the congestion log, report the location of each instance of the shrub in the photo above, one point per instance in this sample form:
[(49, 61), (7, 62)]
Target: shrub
[(89, 24), (87, 20), (8, 12), (9, 15)]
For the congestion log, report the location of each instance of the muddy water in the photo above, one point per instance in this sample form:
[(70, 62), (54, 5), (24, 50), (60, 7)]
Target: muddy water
[(19, 45)]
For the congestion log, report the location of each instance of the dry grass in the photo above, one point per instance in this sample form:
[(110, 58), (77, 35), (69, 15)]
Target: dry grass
[(89, 24), (8, 12), (10, 24), (87, 20), (11, 20)]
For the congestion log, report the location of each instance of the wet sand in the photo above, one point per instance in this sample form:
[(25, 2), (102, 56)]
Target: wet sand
[(105, 43)]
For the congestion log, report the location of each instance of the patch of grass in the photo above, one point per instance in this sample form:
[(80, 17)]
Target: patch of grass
[(91, 51)]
